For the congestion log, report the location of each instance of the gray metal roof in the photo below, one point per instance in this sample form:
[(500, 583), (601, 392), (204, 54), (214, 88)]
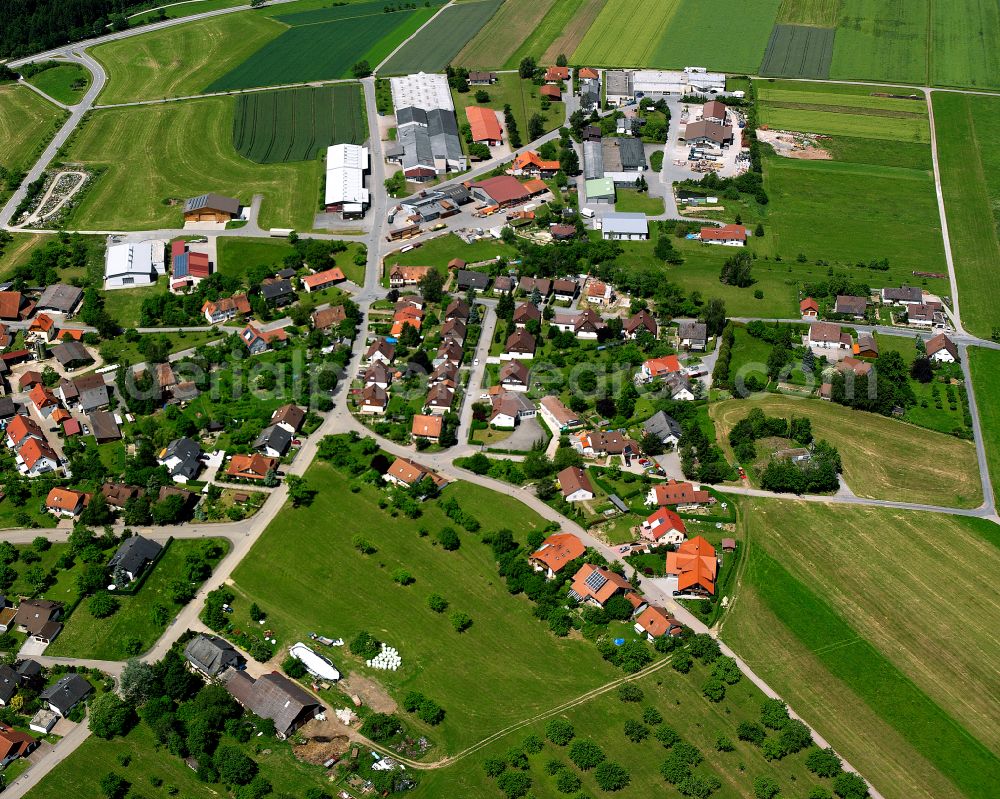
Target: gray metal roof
[(411, 115), (618, 81), (625, 222), (59, 297), (593, 160)]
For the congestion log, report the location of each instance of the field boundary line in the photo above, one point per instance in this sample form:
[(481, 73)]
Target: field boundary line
[(403, 43), (315, 84)]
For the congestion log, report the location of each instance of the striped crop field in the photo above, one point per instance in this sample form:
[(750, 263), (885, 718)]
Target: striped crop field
[(434, 47), (500, 38), (799, 51), (297, 124), (626, 33)]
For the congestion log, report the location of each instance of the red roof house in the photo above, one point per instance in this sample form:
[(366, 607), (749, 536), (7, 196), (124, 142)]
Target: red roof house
[(694, 565), (484, 124)]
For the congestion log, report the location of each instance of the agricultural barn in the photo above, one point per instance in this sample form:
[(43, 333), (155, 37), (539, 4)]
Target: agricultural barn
[(346, 165), (137, 264), (593, 160), (187, 267), (600, 190), (60, 298), (211, 207), (623, 159), (427, 130), (484, 124), (624, 227), (502, 191), (705, 132)]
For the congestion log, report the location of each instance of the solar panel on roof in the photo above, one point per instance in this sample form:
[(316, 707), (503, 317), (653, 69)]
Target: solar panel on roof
[(596, 581), (181, 265)]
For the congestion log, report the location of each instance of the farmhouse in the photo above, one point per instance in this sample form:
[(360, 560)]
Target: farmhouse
[(323, 280), (346, 165), (211, 208), (705, 132), (131, 265), (694, 565), (91, 392), (133, 557), (484, 125), (942, 349), (555, 552), (904, 295), (273, 696), (663, 526), (13, 305), (656, 622), (727, 235), (624, 227), (682, 496), (809, 308), (530, 163), (59, 298), (595, 585), (825, 337), (211, 655), (851, 306), (575, 484)]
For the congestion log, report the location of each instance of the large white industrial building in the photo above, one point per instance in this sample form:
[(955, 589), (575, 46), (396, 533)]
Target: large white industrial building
[(134, 264), (346, 165)]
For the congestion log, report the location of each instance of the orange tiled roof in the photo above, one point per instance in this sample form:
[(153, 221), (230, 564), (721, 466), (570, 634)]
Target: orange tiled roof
[(694, 564)]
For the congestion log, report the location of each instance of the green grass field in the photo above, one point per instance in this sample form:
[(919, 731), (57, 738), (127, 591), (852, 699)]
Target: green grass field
[(858, 630), (436, 660), (817, 13), (505, 32), (19, 250), (64, 83), (985, 365), (630, 200), (521, 95), (176, 11), (181, 60), (104, 639), (966, 39), (438, 43), (799, 51), (882, 41), (969, 162), (297, 124), (27, 123), (882, 458), (181, 150), (560, 32), (438, 251), (626, 32), (319, 45)]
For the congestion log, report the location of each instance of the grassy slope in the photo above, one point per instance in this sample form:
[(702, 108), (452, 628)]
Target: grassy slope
[(87, 637), (986, 384), (883, 458), (57, 82), (867, 707), (438, 43), (499, 38), (26, 121), (181, 60), (181, 150), (626, 32), (451, 667), (968, 157)]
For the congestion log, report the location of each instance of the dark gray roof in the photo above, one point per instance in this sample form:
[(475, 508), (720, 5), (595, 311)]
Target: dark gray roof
[(104, 427), (696, 331), (618, 82), (442, 128), (903, 294), (622, 153), (71, 352), (27, 669), (134, 554), (211, 654), (217, 202), (275, 697), (279, 288), (662, 425), (7, 408), (286, 272), (189, 454), (9, 680), (274, 437), (457, 194), (410, 115), (469, 277), (66, 693), (93, 391), (59, 297)]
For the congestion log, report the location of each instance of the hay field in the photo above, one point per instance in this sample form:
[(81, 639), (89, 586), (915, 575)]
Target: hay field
[(506, 31), (626, 33), (179, 150), (883, 458), (26, 120)]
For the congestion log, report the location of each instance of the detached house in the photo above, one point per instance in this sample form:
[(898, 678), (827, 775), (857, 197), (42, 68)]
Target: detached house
[(556, 415), (555, 552), (258, 341), (638, 323), (39, 618), (585, 324), (663, 526), (323, 280), (526, 312), (694, 565), (65, 694), (659, 367), (682, 496), (809, 308), (381, 350), (827, 338), (406, 472), (428, 427), (219, 311), (66, 502), (514, 376), (291, 417), (373, 399), (904, 295), (665, 428), (692, 335), (575, 484), (656, 622), (182, 457), (942, 349), (851, 306), (273, 441), (134, 556), (595, 585), (520, 345), (251, 467), (727, 235)]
